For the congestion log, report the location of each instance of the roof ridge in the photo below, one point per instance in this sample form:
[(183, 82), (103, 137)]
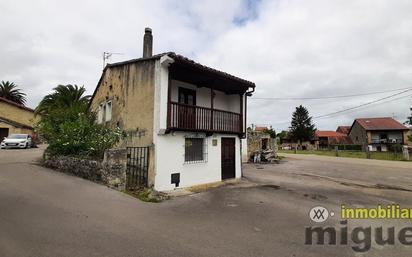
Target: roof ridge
[(16, 104)]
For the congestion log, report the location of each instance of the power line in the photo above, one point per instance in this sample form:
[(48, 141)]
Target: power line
[(358, 106), (391, 100), (328, 97)]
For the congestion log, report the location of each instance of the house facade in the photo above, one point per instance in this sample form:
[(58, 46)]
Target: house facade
[(191, 117), (15, 119), (378, 134), (343, 129), (258, 140), (325, 139)]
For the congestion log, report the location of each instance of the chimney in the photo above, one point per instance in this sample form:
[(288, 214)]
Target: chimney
[(147, 43)]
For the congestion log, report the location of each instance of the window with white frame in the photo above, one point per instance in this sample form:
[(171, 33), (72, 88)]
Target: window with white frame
[(108, 111), (100, 114), (104, 112), (195, 150)]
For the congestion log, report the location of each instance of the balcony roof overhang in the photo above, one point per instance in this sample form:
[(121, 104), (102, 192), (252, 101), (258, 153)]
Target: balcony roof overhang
[(186, 70)]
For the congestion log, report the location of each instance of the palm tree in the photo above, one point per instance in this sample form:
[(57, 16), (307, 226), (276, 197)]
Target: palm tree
[(63, 97), (10, 91)]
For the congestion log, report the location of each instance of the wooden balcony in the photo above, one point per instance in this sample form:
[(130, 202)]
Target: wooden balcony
[(201, 119)]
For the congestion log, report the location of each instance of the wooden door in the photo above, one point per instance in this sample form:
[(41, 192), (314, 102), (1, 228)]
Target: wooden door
[(228, 158), (187, 110), (4, 132)]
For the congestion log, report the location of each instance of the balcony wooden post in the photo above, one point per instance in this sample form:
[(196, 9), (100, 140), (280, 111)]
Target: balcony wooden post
[(169, 94), (212, 98), (241, 126)]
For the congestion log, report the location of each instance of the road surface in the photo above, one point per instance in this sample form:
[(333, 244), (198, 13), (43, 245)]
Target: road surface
[(47, 213)]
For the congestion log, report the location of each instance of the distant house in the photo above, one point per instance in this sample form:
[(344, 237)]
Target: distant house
[(15, 119), (287, 143), (184, 121), (325, 139), (378, 134), (257, 140), (343, 129)]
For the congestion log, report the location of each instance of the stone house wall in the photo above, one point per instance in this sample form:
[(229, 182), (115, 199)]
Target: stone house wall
[(110, 171), (131, 90), (359, 136)]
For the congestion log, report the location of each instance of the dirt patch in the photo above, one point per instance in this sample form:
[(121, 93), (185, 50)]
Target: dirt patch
[(276, 187), (316, 197)]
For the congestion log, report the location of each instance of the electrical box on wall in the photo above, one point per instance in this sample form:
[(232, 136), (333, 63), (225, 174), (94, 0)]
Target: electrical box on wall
[(175, 179), (214, 142)]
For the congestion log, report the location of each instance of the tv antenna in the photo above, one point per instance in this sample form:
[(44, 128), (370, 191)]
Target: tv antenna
[(107, 55)]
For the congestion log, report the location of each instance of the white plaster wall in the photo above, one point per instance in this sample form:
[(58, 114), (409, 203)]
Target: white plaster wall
[(374, 148), (227, 102), (161, 94), (169, 157), (222, 101), (244, 150)]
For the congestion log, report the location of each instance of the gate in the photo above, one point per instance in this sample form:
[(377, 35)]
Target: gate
[(137, 167)]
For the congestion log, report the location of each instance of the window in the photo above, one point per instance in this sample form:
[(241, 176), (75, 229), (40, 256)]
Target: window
[(187, 96), (108, 111), (100, 114), (104, 113), (195, 150)]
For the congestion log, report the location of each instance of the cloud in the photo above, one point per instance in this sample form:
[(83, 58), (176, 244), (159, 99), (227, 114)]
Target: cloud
[(288, 48)]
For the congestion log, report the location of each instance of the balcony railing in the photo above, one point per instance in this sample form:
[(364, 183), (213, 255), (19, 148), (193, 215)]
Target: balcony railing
[(387, 141), (196, 118)]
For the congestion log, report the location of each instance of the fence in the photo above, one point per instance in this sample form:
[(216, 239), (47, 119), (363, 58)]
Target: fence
[(137, 167)]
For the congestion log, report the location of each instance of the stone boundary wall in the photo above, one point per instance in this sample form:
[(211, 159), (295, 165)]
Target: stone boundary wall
[(110, 171)]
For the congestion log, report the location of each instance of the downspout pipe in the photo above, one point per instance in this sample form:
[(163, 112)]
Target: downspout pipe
[(248, 93)]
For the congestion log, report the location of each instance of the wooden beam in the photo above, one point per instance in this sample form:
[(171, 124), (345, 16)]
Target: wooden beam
[(212, 100), (169, 96), (241, 125)]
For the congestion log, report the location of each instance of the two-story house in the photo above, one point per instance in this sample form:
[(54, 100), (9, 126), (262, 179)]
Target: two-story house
[(16, 119), (378, 134), (191, 117)]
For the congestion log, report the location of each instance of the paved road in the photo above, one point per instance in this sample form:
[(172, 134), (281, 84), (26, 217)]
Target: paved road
[(47, 213)]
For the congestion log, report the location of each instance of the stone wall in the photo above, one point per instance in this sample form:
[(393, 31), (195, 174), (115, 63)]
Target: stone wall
[(111, 171)]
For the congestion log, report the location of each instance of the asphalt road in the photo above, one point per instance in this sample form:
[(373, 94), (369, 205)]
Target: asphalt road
[(47, 213)]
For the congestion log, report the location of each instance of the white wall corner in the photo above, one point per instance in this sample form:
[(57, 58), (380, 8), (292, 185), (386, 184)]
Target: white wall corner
[(165, 60)]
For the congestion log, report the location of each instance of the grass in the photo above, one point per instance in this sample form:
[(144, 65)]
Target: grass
[(351, 154), (146, 195)]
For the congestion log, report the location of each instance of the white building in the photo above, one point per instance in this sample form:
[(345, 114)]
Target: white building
[(190, 117)]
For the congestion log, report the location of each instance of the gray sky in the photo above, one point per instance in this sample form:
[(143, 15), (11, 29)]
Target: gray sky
[(288, 48)]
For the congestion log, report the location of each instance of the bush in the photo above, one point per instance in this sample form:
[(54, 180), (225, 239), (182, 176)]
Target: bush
[(344, 147), (72, 132)]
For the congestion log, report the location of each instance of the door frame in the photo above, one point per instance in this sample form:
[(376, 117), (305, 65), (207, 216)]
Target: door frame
[(228, 174)]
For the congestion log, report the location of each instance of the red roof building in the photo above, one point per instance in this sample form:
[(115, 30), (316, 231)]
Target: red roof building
[(326, 138), (343, 129), (378, 134)]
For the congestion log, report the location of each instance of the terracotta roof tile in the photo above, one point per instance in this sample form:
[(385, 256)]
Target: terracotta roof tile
[(380, 124), (333, 137), (343, 129)]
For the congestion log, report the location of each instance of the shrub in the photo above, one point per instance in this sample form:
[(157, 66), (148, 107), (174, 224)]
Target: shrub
[(72, 132), (347, 147)]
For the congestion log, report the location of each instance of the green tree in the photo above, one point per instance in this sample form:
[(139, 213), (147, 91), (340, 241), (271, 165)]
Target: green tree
[(282, 135), (69, 128), (271, 132), (409, 122), (10, 91), (63, 97), (301, 128)]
